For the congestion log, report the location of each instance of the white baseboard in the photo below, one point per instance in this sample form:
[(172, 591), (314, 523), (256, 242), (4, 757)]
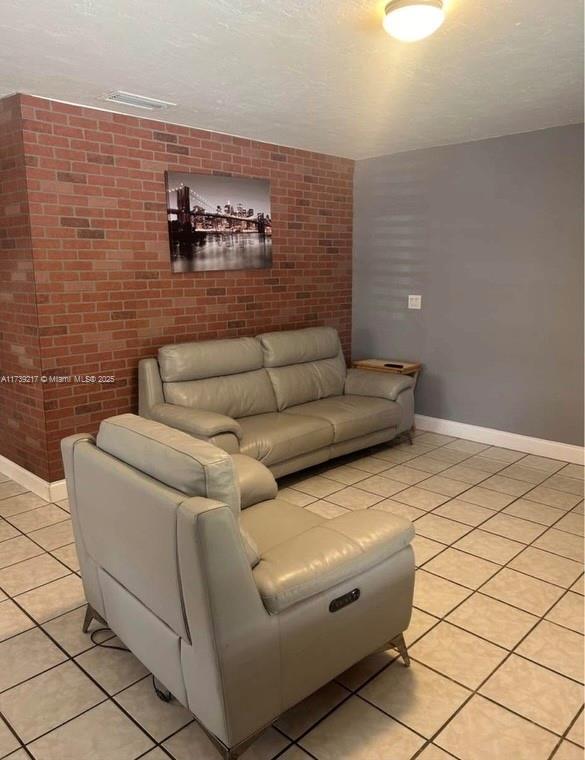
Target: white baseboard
[(541, 447), (56, 491)]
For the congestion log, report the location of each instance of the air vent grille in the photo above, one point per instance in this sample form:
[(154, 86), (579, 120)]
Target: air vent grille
[(138, 101)]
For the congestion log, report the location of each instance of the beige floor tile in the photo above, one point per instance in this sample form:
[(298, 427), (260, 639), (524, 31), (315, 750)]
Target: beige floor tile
[(568, 485), (54, 598), (468, 447), (527, 593), (580, 508), (514, 528), (326, 509), (417, 497), (406, 474), (160, 719), (559, 542), (17, 505), (433, 753), (8, 742), (489, 546), (464, 473), (353, 498), (357, 731), (12, 620), (295, 753), (64, 504), (502, 455), (25, 656), (506, 485), (568, 751), (440, 529), (66, 630), (54, 536), (7, 531), (556, 648), (191, 743), (457, 654), (396, 456), (568, 612), (483, 497), (155, 754), (545, 698), (381, 485), (416, 696), (358, 674), (38, 518), (435, 595), (544, 464), (486, 465), (532, 510), (420, 623), (113, 669), (462, 568), (428, 464), (67, 555), (462, 511), (396, 508), (449, 456), (303, 716), (31, 573), (346, 474), (85, 737), (295, 497), (58, 695), (576, 734), (10, 488), (443, 485), (493, 620), (546, 566), (371, 464), (553, 498), (572, 523), (16, 550), (318, 486), (574, 471), (485, 731), (425, 549), (579, 586), (526, 474), (434, 439)]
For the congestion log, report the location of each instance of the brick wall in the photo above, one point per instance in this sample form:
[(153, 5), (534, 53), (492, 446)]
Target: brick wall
[(22, 424), (105, 293)]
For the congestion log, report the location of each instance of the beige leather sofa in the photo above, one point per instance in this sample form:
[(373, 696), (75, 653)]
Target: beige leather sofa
[(238, 602), (283, 398)]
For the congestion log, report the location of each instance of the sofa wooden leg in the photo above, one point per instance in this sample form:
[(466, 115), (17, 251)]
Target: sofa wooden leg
[(400, 644)]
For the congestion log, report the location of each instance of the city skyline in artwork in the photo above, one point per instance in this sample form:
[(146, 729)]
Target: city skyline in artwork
[(218, 223)]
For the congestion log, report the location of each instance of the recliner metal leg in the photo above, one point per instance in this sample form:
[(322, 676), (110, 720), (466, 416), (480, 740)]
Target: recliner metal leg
[(89, 616), (400, 644)]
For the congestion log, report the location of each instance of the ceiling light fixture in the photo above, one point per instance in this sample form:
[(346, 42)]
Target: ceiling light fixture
[(138, 101), (412, 20)]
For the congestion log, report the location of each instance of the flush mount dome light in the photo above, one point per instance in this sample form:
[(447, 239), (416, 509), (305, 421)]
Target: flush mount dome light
[(412, 20)]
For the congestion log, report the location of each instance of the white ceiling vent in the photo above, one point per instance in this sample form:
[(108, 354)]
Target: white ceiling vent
[(138, 101)]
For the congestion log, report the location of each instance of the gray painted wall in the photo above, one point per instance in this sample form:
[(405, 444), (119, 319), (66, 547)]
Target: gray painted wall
[(491, 234)]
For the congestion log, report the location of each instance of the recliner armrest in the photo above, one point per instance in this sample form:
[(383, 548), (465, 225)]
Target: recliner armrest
[(361, 382), (328, 554), (198, 422)]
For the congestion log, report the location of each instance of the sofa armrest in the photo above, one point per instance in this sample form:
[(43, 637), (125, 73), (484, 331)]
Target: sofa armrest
[(388, 385), (198, 422), (334, 552)]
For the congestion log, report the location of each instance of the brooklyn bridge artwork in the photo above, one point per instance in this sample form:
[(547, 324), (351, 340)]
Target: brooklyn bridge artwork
[(218, 223)]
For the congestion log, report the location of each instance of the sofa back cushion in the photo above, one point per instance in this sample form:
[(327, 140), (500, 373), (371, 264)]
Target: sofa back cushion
[(304, 365), (174, 458), (223, 376)]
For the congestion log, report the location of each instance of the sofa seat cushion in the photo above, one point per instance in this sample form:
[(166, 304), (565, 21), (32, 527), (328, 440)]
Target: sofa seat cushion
[(273, 522), (351, 416), (333, 552), (276, 437)]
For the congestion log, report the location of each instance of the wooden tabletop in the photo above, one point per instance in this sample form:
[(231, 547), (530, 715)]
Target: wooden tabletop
[(381, 365)]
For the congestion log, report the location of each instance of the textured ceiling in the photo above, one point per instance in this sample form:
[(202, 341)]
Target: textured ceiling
[(315, 74)]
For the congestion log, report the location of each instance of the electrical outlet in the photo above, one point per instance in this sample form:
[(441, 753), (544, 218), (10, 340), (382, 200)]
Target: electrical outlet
[(415, 302)]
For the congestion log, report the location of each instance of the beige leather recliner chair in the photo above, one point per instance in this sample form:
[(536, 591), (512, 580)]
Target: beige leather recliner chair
[(217, 600), (283, 398)]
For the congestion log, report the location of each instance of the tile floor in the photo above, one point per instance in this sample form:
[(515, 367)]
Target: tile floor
[(496, 637)]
